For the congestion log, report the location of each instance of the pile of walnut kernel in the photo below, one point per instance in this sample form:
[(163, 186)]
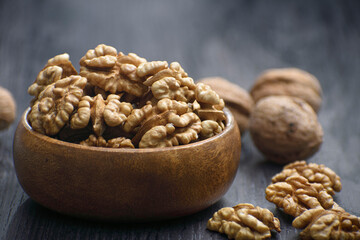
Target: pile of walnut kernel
[(304, 191), (122, 101)]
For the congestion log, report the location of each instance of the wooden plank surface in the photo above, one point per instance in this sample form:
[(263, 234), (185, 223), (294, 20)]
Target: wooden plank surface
[(233, 39)]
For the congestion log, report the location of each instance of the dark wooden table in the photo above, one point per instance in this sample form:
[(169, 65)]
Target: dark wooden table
[(233, 39)]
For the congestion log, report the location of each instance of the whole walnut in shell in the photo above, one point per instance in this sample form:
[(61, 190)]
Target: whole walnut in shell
[(288, 82), (237, 99), (7, 108), (285, 129)]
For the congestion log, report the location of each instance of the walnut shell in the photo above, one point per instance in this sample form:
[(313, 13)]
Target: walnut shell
[(289, 82), (285, 129), (237, 99), (7, 108)]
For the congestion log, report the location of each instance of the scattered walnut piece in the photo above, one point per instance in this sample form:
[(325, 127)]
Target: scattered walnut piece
[(244, 221), (210, 128), (110, 111), (119, 142), (314, 173), (52, 110), (138, 116), (112, 72), (289, 82), (56, 68), (208, 105), (285, 129), (170, 130), (328, 224), (46, 77), (237, 99), (172, 83), (295, 195), (159, 136), (63, 61), (7, 108)]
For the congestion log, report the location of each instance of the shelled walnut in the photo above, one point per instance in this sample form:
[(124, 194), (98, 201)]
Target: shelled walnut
[(7, 108), (56, 68), (244, 221), (55, 104), (285, 129), (110, 111), (295, 195), (152, 104), (288, 82), (119, 142), (237, 99), (313, 172), (333, 224)]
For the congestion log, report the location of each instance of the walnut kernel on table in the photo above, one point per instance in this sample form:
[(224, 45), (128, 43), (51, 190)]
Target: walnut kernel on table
[(334, 224), (288, 82), (314, 173), (7, 108), (120, 100), (244, 221), (285, 129), (237, 99), (295, 195)]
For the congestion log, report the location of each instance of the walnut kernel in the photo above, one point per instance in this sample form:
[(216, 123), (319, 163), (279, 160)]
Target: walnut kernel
[(314, 173), (328, 224), (295, 195), (55, 104), (237, 99), (244, 221)]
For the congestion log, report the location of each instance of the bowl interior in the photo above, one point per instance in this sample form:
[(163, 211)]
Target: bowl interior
[(228, 123)]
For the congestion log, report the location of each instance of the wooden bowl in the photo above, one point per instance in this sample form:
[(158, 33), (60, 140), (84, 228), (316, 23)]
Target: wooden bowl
[(125, 184)]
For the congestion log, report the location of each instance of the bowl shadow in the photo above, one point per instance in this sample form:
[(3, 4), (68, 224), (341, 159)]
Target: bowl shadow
[(33, 221)]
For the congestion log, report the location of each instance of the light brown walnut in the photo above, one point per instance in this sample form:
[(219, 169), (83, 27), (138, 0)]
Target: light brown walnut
[(208, 105), (7, 108), (295, 195), (285, 129), (314, 173), (63, 61), (237, 99), (112, 72), (210, 128), (55, 104), (172, 83), (328, 224), (169, 129), (46, 77), (138, 116), (244, 221), (288, 82), (56, 68), (119, 142), (110, 112), (204, 94)]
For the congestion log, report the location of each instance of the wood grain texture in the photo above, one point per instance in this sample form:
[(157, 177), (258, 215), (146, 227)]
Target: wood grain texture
[(233, 39)]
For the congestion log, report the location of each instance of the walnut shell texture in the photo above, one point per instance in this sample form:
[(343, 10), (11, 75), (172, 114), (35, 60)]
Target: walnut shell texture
[(285, 129), (7, 108), (237, 99), (288, 82)]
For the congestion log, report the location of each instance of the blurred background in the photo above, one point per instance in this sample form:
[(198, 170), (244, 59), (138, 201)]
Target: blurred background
[(233, 39)]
